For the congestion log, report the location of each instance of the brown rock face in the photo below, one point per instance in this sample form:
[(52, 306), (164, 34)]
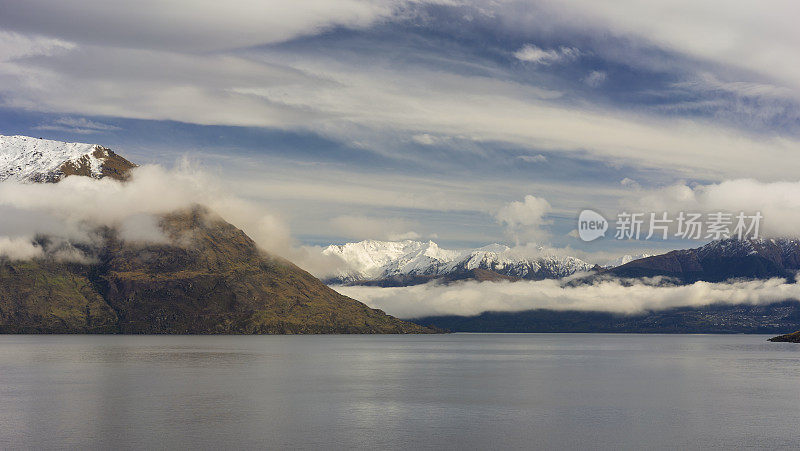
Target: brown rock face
[(210, 279), (113, 166)]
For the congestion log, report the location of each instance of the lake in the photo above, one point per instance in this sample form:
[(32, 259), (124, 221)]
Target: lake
[(459, 391)]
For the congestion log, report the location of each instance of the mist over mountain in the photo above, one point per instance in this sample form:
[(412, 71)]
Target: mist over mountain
[(139, 253), (160, 268), (724, 286)]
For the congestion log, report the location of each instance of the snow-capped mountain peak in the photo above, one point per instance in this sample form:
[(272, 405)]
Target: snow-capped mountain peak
[(27, 159), (372, 260)]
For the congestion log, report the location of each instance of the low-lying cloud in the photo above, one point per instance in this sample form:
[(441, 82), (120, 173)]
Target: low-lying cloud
[(19, 248), (71, 209), (473, 298)]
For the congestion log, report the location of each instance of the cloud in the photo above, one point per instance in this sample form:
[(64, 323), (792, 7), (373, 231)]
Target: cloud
[(188, 25), (77, 125), (630, 183), (326, 94), (29, 247), (427, 140), (748, 37), (73, 207), (311, 259), (152, 190), (63, 59), (706, 81), (529, 212), (411, 235), (525, 219), (19, 248), (362, 227), (472, 298), (141, 228), (533, 54), (424, 139), (142, 84), (539, 158), (595, 78), (15, 45), (778, 202)]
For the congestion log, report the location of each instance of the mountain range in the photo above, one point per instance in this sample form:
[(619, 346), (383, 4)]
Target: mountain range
[(208, 277), (717, 261), (403, 263), (720, 260)]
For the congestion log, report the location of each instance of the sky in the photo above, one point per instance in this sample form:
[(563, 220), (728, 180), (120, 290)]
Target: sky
[(466, 122)]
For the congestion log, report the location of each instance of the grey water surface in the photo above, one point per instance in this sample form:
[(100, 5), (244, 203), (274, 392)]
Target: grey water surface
[(460, 391)]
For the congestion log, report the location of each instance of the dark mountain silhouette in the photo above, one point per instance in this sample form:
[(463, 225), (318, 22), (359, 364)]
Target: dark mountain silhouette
[(719, 261)]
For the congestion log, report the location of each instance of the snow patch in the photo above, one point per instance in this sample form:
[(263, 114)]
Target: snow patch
[(26, 159)]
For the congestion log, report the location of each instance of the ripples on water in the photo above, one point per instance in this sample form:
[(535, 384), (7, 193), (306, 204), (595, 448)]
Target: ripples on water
[(465, 391)]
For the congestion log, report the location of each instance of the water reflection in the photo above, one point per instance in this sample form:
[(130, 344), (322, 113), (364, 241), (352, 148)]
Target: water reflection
[(451, 391)]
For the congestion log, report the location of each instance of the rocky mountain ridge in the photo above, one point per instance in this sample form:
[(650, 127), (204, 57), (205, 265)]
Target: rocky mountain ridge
[(27, 159), (720, 260)]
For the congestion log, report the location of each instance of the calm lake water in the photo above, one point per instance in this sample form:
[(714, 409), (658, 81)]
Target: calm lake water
[(465, 391)]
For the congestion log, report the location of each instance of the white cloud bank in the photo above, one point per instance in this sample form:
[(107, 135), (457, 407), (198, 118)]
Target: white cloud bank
[(72, 208), (778, 202), (472, 298), (19, 248)]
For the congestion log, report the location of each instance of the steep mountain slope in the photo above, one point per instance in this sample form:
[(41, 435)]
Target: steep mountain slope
[(720, 260), (26, 159), (398, 263), (211, 279), (206, 277), (49, 296)]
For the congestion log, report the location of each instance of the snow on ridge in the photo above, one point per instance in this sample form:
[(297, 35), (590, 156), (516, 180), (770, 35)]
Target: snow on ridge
[(734, 247), (371, 259), (23, 158)]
